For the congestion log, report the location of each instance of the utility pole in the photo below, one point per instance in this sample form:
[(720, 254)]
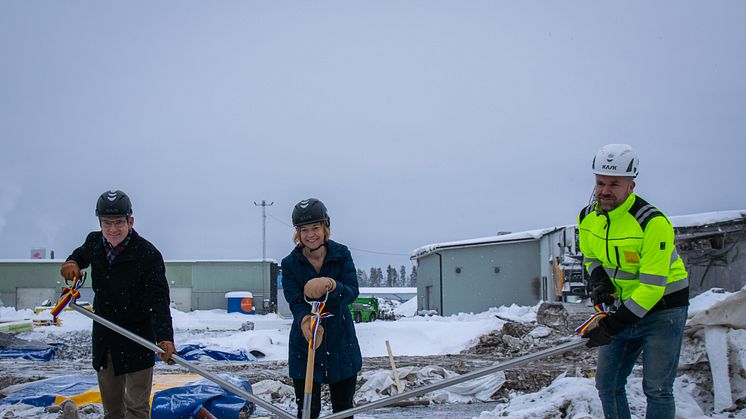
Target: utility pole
[(264, 227)]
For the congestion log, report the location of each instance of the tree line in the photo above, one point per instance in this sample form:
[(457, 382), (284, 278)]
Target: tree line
[(393, 278)]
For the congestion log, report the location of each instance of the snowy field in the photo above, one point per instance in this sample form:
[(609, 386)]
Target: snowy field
[(566, 396)]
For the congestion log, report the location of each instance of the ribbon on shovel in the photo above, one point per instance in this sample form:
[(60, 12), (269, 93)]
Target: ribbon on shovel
[(69, 293), (317, 313), (601, 312)]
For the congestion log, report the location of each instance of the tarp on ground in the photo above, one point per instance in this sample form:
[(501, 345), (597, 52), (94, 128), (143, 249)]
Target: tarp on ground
[(173, 395), (193, 352), (730, 312), (13, 347)]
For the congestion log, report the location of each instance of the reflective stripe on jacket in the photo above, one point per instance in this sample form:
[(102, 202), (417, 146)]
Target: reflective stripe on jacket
[(634, 244)]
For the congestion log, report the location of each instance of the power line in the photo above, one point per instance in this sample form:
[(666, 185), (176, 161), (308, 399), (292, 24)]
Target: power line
[(279, 220), (378, 253), (349, 247)]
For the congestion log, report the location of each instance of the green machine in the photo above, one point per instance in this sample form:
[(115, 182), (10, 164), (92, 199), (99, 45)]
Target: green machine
[(364, 309)]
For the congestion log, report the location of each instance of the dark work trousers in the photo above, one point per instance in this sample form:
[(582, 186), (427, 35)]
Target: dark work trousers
[(341, 393), (127, 395)]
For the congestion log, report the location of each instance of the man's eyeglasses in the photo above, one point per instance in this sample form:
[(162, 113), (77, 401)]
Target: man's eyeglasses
[(115, 223)]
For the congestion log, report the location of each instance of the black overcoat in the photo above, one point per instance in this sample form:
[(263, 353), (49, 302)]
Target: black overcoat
[(131, 292)]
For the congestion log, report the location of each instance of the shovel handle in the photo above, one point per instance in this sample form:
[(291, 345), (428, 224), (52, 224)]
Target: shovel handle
[(309, 371), (308, 389)]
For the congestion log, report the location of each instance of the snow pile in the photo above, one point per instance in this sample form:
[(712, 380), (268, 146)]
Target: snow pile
[(380, 383), (576, 397), (11, 314), (407, 309), (277, 393)]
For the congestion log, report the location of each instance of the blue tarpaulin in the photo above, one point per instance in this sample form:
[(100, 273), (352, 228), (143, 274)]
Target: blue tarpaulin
[(173, 395), (45, 354), (194, 352), (13, 347), (180, 402)]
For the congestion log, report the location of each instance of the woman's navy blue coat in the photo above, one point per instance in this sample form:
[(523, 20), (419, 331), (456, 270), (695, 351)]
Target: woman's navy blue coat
[(338, 357)]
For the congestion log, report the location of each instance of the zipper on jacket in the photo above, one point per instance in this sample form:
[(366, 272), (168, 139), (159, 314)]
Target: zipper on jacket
[(616, 270), (608, 227), (608, 255)]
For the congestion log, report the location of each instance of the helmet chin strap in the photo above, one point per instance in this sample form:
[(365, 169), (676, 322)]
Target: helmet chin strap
[(320, 246)]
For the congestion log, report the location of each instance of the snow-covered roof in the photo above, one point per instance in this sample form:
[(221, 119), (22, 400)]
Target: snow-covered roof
[(511, 237), (706, 218), (691, 220), (387, 290)]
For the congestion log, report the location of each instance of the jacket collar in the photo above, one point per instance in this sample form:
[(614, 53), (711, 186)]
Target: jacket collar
[(620, 210)]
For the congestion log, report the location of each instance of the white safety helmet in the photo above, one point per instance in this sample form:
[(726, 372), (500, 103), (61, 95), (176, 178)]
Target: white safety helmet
[(616, 160)]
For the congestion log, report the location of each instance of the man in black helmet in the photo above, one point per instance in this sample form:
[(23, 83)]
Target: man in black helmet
[(128, 277)]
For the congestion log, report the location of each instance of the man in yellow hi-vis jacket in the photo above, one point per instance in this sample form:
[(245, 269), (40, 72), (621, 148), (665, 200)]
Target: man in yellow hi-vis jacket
[(629, 252)]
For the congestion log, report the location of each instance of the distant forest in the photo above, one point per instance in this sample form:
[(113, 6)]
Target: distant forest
[(393, 277)]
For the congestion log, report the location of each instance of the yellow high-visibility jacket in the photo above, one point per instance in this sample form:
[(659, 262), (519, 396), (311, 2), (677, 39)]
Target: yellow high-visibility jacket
[(634, 245)]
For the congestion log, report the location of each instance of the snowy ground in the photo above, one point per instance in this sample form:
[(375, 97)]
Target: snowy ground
[(427, 349)]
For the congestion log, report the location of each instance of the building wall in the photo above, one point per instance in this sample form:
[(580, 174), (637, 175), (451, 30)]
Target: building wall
[(479, 277), (26, 284), (194, 284), (211, 280)]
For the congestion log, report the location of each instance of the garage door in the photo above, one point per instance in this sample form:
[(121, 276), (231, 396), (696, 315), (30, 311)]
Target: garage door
[(32, 297)]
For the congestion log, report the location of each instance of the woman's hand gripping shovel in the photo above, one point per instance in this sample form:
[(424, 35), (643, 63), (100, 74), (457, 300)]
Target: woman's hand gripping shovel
[(317, 313)]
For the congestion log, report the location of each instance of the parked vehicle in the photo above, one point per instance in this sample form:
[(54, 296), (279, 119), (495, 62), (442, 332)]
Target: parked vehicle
[(364, 309)]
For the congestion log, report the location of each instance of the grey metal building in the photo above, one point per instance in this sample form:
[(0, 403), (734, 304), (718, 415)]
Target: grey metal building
[(194, 285), (474, 275)]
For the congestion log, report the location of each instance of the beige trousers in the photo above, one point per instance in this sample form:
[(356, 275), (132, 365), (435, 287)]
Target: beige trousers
[(125, 396)]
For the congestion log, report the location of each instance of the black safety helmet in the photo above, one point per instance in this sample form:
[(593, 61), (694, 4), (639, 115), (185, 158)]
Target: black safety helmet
[(309, 211), (113, 203)]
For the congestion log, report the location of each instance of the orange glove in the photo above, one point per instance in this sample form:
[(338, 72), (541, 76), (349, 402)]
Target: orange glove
[(70, 270), (318, 287), (169, 349), (305, 326)]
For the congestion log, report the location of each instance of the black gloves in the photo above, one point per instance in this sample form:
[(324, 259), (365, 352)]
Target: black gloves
[(599, 335), (613, 324), (602, 290), (603, 293)]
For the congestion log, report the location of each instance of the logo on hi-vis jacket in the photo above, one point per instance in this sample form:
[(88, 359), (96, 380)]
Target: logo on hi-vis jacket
[(631, 257)]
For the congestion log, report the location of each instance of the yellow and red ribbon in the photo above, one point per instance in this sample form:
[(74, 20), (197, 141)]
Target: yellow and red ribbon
[(317, 313), (69, 294), (601, 312)]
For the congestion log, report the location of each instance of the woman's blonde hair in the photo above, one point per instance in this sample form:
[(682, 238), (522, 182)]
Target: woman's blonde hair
[(296, 235)]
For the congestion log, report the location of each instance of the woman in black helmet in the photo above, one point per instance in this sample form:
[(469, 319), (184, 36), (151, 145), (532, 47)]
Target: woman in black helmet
[(315, 267)]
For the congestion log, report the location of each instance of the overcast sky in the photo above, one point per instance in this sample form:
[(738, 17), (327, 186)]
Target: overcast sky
[(416, 122)]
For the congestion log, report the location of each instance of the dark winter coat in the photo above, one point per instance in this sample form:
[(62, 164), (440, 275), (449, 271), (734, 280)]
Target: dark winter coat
[(131, 292), (338, 357)]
